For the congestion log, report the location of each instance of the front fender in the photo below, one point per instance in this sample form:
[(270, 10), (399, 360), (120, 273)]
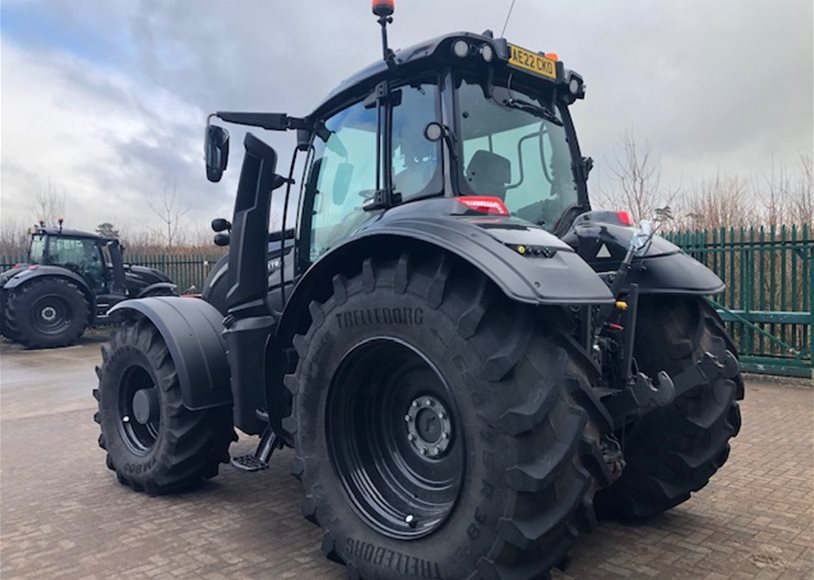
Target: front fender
[(193, 331)]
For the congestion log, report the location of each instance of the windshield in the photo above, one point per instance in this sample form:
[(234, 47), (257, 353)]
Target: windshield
[(37, 249), (514, 147)]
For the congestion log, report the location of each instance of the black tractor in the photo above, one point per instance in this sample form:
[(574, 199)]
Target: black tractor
[(70, 280), (469, 363)]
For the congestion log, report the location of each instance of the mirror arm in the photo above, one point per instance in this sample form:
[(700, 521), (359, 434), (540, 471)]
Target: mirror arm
[(269, 121)]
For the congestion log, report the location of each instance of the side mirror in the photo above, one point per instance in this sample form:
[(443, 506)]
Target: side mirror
[(222, 239), (221, 225), (216, 150)]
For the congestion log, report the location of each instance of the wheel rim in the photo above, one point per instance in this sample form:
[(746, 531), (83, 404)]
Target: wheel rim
[(139, 412), (394, 438), (50, 314)]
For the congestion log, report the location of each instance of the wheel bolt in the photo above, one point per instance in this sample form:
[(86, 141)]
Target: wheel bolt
[(415, 403), (444, 435), (442, 415), (428, 402), (411, 437), (411, 521), (125, 419), (423, 451), (407, 418)]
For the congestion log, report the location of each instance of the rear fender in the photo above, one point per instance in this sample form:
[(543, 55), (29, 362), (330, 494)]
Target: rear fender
[(39, 271), (664, 268), (560, 277), (193, 331)]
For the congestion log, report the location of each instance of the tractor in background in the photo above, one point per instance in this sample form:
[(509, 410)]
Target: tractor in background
[(71, 279)]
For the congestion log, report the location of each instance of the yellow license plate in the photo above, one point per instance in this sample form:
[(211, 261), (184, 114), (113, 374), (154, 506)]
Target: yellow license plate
[(532, 62)]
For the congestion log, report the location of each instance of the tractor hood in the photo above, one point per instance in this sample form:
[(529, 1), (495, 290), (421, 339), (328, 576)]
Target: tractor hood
[(143, 276)]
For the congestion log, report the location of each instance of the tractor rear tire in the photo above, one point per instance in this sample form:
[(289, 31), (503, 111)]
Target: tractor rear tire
[(673, 452), (436, 428), (47, 312), (153, 442)]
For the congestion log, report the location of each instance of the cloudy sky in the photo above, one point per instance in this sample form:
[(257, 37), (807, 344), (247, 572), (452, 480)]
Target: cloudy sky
[(107, 99)]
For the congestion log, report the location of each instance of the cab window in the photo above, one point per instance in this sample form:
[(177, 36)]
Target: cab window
[(342, 177), (416, 161), (37, 250), (81, 252)]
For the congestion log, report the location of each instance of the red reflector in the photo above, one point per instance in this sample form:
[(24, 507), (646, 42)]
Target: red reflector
[(624, 218), (484, 204)]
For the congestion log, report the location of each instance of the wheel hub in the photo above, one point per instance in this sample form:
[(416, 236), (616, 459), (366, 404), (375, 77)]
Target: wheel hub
[(429, 428), (145, 406), (48, 313)]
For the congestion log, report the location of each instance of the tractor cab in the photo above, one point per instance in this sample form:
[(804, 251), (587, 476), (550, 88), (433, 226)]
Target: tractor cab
[(96, 259), (465, 117)]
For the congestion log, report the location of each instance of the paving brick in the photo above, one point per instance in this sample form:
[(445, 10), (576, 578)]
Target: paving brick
[(62, 514)]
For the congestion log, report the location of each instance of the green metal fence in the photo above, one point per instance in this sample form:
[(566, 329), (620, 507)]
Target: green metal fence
[(768, 305), (187, 271)]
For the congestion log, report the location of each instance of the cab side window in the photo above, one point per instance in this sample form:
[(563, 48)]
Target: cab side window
[(416, 161), (342, 177)]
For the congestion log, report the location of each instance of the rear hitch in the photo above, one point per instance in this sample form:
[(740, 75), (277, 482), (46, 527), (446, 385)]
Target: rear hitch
[(643, 394)]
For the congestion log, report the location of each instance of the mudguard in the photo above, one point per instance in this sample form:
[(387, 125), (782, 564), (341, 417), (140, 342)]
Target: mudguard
[(158, 286), (193, 331), (25, 275), (526, 262), (38, 271), (663, 269)]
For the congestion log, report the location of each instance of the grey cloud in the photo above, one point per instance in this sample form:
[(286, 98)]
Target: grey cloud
[(709, 84)]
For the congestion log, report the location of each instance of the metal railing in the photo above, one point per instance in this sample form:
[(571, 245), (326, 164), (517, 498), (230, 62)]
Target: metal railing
[(767, 305), (187, 271)]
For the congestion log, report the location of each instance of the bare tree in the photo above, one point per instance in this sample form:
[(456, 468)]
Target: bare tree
[(636, 174), (720, 201), (169, 210), (48, 204), (802, 195)]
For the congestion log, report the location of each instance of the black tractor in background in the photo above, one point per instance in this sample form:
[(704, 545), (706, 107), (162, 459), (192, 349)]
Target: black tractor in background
[(70, 280), (469, 363)]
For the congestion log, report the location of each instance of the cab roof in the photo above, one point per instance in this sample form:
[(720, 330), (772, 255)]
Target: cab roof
[(425, 57), (63, 233)]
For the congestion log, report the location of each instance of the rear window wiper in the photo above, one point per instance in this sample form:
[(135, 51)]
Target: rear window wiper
[(533, 109)]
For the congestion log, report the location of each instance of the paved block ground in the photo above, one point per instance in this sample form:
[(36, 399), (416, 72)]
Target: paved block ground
[(62, 514)]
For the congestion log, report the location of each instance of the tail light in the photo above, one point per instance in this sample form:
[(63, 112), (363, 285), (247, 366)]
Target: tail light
[(484, 204), (624, 218)]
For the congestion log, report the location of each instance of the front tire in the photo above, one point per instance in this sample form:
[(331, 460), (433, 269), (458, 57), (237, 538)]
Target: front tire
[(48, 312), (153, 442), (674, 451), (435, 427)]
